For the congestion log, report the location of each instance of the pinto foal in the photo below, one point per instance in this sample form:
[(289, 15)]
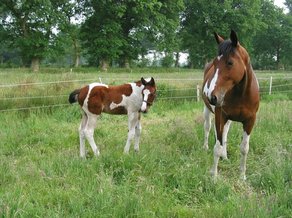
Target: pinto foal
[(231, 92), (130, 99)]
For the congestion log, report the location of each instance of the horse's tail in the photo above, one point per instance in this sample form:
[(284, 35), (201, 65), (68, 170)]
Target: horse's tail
[(73, 97)]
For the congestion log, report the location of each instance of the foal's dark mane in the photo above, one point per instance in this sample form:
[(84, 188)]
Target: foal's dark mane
[(226, 48)]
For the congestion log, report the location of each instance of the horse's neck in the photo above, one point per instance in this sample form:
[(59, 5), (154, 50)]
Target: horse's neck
[(137, 90), (248, 79)]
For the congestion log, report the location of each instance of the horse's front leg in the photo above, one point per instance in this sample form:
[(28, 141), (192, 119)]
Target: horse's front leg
[(138, 130), (207, 126), (132, 122), (220, 122), (224, 138)]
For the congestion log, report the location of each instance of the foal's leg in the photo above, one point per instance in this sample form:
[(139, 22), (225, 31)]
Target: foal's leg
[(224, 138), (132, 122), (89, 131), (207, 126), (82, 134), (138, 130)]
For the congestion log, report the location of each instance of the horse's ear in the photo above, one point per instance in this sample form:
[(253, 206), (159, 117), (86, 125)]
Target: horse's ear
[(233, 38), (218, 38), (143, 81), (152, 82)]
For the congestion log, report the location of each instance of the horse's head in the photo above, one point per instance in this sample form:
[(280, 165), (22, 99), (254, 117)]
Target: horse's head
[(148, 92), (229, 69)]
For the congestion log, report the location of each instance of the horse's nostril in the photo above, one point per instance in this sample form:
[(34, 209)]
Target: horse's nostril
[(213, 100)]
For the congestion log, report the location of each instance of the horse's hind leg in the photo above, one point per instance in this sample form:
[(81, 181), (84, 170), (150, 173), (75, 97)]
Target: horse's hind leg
[(89, 131), (82, 134), (207, 126)]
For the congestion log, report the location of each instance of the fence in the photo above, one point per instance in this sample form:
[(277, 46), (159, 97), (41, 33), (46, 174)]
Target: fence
[(192, 91)]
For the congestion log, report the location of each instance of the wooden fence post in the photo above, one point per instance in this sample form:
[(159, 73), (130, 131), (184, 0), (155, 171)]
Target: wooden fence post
[(271, 82), (198, 93)]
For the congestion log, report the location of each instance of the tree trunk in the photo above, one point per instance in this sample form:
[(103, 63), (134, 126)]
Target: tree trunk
[(35, 64), (126, 63), (77, 60), (76, 53), (278, 58), (104, 64), (176, 59)]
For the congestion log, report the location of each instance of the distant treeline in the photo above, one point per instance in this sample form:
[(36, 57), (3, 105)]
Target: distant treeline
[(114, 33)]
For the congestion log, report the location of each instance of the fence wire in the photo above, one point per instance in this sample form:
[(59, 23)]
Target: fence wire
[(161, 92)]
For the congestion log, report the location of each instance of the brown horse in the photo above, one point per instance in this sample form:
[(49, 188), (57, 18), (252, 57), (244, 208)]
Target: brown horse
[(97, 98), (231, 92)]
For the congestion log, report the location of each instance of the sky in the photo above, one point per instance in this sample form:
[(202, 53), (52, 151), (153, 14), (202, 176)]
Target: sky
[(280, 3)]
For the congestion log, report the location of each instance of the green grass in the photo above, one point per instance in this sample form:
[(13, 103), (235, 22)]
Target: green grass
[(41, 174)]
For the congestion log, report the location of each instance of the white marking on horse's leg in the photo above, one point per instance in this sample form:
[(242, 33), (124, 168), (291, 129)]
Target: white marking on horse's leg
[(132, 122), (138, 130), (89, 131), (224, 138), (217, 153), (82, 135), (207, 126), (244, 147)]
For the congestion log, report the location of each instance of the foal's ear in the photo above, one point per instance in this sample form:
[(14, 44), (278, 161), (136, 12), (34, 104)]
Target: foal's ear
[(152, 82), (143, 81), (218, 38), (233, 38)]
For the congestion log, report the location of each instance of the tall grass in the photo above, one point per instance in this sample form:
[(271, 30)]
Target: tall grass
[(41, 174)]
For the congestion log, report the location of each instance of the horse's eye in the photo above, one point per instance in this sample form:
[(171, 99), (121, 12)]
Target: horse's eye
[(229, 63)]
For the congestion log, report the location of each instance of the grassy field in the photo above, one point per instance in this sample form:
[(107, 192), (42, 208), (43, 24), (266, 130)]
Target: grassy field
[(41, 174)]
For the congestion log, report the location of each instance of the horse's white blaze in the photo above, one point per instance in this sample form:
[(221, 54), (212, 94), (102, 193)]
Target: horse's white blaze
[(219, 57), (213, 82), (208, 90), (146, 93)]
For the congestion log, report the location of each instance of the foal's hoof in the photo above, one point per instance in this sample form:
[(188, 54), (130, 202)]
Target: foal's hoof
[(243, 177), (206, 147), (224, 155)]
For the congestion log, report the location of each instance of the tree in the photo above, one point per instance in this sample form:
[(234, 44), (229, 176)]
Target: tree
[(101, 31), (167, 28), (273, 42), (200, 20), (117, 30), (32, 27)]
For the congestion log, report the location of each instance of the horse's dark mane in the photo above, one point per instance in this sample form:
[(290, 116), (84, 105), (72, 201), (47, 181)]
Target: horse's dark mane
[(225, 48)]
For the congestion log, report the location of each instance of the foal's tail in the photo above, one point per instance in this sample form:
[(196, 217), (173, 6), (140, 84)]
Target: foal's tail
[(73, 97)]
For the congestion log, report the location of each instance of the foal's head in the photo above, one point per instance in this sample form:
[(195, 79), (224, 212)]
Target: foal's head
[(229, 68), (149, 93)]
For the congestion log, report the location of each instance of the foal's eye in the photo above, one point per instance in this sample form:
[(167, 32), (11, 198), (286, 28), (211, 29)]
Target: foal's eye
[(229, 62)]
